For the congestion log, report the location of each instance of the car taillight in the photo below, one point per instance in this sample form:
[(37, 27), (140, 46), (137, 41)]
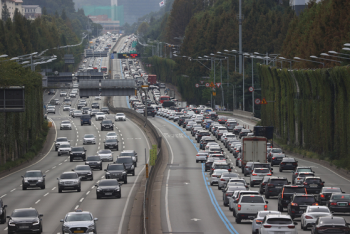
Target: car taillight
[(269, 174), (265, 207), (237, 151), (254, 174), (293, 204), (246, 167), (197, 155), (305, 183), (263, 184), (273, 157), (282, 163), (239, 207), (258, 221), (315, 204), (228, 194), (222, 179), (270, 185), (321, 184), (229, 170), (267, 226), (291, 226), (333, 203), (322, 195), (296, 173), (308, 217)]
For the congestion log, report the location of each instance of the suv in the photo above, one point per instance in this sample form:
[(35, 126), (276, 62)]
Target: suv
[(77, 152), (32, 179), (288, 164), (248, 207), (313, 184), (273, 151), (131, 153), (117, 171), (79, 221), (230, 125), (274, 186), (262, 165), (84, 172), (298, 204), (301, 177), (105, 110), (285, 196), (263, 184), (69, 180), (64, 148), (150, 111), (129, 163), (257, 175), (221, 165), (94, 162), (107, 124), (300, 169), (95, 105), (85, 119), (25, 220)]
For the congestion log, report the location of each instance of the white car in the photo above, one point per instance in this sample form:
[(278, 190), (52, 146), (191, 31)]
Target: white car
[(140, 110), (97, 97), (66, 107), (64, 148), (309, 217), (63, 93), (66, 124), (105, 155), (214, 178), (100, 116), (71, 110), (111, 135), (77, 113), (120, 117), (278, 224), (51, 110), (256, 224), (89, 139), (172, 114)]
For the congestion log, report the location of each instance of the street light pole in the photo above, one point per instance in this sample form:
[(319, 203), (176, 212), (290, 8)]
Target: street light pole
[(253, 82), (240, 37)]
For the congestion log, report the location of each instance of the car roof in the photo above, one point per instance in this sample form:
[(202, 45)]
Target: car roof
[(33, 171), (278, 216), (128, 151)]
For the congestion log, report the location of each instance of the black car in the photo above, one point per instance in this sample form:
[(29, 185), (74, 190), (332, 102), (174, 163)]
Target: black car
[(131, 153), (95, 105), (339, 203), (117, 171), (285, 196), (94, 162), (298, 204), (77, 152), (313, 184), (150, 111), (208, 164), (277, 159), (3, 212), (69, 181), (105, 110), (51, 92), (201, 134), (237, 129), (263, 184), (274, 186), (106, 125), (330, 224), (204, 141), (33, 179), (85, 119), (111, 144), (84, 171), (326, 193), (22, 220), (182, 120), (288, 164), (80, 105), (108, 188), (129, 163)]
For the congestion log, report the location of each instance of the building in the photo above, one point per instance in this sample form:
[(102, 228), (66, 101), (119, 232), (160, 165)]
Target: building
[(32, 12), (12, 5), (107, 24), (299, 5)]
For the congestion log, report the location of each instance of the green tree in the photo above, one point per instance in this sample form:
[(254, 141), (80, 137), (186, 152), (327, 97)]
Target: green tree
[(64, 15), (5, 12), (142, 29)]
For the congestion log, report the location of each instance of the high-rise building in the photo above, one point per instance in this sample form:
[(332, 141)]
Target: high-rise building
[(299, 5)]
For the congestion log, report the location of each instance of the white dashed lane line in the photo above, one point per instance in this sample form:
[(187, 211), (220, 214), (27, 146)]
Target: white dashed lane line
[(87, 193), (46, 194), (3, 195), (81, 200), (37, 201), (76, 207), (53, 188)]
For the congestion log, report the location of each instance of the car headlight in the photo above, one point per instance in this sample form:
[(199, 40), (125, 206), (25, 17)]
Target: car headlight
[(36, 222), (25, 180), (83, 153), (40, 180), (11, 223), (108, 173), (132, 166), (98, 190), (89, 173), (60, 182), (99, 162), (117, 189)]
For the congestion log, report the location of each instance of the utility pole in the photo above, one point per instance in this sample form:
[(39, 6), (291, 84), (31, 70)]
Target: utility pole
[(240, 36), (253, 82)]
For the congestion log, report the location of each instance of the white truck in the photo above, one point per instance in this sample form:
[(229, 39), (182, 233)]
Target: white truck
[(253, 150), (248, 207)]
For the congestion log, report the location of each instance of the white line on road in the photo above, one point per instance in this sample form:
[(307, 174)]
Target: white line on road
[(123, 139), (93, 187), (121, 134), (3, 195), (46, 194), (6, 228), (12, 190), (53, 188), (76, 207), (54, 167), (87, 193), (60, 164), (37, 201), (81, 200), (66, 160), (124, 147), (47, 171)]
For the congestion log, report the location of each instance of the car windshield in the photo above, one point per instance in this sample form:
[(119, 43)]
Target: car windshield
[(261, 170), (111, 140), (120, 114), (108, 183), (279, 221), (89, 136), (127, 154), (99, 113), (330, 221), (294, 190), (93, 158), (107, 122), (305, 175), (33, 174), (64, 146), (237, 181), (124, 160), (230, 175), (341, 197), (331, 190), (65, 121), (111, 134), (115, 167), (276, 150), (105, 152), (82, 168), (319, 209), (252, 199), (78, 217), (313, 180), (24, 213), (76, 111), (78, 149), (262, 165), (61, 139), (304, 170), (304, 199), (222, 166), (69, 176), (279, 181)]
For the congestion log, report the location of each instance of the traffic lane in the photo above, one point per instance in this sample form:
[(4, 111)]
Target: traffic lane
[(114, 212), (190, 204)]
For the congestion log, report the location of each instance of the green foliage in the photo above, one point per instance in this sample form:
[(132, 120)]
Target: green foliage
[(5, 14), (22, 133), (309, 109)]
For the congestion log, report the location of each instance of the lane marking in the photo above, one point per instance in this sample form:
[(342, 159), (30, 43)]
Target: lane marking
[(12, 190), (81, 200), (47, 171), (76, 207), (3, 196), (53, 188), (54, 167), (46, 194), (60, 164), (87, 193), (37, 201)]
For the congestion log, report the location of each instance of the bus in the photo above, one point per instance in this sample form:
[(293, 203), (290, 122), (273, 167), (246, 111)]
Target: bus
[(104, 69), (164, 98)]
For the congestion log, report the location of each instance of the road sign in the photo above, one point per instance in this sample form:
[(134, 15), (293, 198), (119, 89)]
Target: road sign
[(197, 85), (207, 85), (212, 85), (128, 55), (214, 94), (218, 84), (251, 89), (202, 81), (257, 101), (263, 101), (112, 56)]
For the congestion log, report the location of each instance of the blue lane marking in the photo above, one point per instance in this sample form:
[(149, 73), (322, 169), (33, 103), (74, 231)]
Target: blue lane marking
[(217, 207), (127, 97), (207, 178)]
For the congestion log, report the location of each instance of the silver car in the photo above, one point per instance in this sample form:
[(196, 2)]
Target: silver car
[(214, 178), (66, 124), (189, 125), (120, 117), (79, 220), (66, 107), (76, 113), (236, 180), (256, 224), (309, 217), (69, 181), (226, 177), (64, 149), (51, 110), (89, 139), (229, 190), (105, 155), (257, 175), (111, 135)]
